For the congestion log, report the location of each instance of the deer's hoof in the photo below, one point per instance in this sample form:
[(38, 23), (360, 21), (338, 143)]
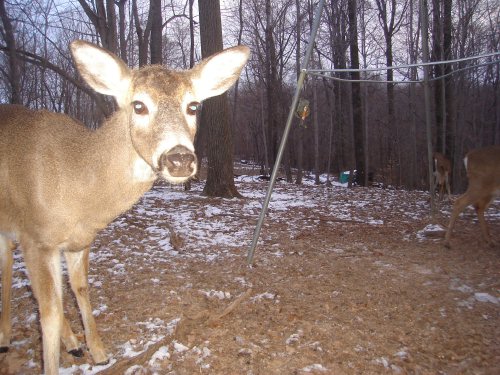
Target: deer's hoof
[(76, 352), (4, 349), (103, 363)]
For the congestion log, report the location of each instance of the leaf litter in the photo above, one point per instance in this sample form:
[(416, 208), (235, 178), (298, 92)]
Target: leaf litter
[(345, 281)]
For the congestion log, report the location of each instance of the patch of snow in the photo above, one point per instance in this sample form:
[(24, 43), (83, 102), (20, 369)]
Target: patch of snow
[(242, 281), (468, 303), (434, 228), (153, 324), (102, 308), (457, 285), (86, 368), (172, 325), (95, 283), (485, 297), (430, 232), (129, 350), (260, 297), (135, 369), (382, 361), (32, 318), (202, 354), (180, 348), (294, 337), (215, 294), (403, 354), (314, 367), (160, 355), (212, 211)]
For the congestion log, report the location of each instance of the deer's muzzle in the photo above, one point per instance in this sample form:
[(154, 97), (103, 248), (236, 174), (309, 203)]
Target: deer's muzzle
[(179, 162)]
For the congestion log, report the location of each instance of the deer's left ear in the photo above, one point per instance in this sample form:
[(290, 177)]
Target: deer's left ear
[(216, 74)]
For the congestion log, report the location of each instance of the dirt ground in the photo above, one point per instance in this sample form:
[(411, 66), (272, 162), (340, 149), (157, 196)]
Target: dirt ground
[(336, 294)]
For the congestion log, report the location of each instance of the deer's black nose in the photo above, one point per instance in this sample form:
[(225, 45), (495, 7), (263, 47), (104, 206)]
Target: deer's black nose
[(179, 161)]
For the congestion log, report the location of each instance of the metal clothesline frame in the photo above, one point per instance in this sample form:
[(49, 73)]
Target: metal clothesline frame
[(406, 66), (317, 73), (320, 72)]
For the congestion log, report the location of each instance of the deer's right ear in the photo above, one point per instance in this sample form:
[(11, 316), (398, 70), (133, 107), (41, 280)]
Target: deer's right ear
[(103, 71), (217, 73)]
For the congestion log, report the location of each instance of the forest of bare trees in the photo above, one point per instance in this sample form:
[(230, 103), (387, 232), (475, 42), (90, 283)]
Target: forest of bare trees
[(377, 125)]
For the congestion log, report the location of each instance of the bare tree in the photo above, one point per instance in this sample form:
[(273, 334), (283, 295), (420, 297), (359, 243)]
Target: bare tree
[(102, 14), (143, 34), (299, 130), (156, 31), (390, 20), (215, 112), (122, 29), (7, 32), (357, 113)]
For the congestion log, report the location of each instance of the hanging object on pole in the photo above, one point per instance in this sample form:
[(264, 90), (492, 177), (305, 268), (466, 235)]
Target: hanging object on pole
[(303, 109)]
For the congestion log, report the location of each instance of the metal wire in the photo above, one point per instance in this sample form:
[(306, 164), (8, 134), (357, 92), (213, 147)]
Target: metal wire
[(348, 70), (318, 74)]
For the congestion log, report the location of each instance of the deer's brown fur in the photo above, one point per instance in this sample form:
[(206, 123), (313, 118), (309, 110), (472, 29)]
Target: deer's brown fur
[(60, 183)]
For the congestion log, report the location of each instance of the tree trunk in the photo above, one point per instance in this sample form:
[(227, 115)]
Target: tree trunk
[(299, 132), (156, 31), (316, 133), (111, 35), (142, 35), (414, 166), (272, 86), (122, 29), (215, 112), (437, 55), (357, 113), (104, 21), (191, 34), (449, 136), (14, 76)]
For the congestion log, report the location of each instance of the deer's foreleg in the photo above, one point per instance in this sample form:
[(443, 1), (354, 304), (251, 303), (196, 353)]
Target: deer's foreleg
[(44, 270), (6, 261), (78, 264)]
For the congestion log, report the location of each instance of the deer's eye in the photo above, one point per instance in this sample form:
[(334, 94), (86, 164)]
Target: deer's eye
[(192, 108), (140, 108)]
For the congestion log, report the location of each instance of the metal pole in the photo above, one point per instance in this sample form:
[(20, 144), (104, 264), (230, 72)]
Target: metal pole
[(300, 83), (427, 100)]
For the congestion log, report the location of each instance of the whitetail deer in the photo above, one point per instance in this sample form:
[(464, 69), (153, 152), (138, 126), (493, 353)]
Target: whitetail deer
[(60, 183), (442, 171), (483, 173)]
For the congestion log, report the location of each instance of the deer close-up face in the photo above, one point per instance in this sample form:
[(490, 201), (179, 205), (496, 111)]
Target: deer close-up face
[(162, 104), (162, 112)]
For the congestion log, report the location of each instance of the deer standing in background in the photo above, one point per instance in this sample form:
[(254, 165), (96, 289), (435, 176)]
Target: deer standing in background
[(60, 183), (483, 173), (442, 172)]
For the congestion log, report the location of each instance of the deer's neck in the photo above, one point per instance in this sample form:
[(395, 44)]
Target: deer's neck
[(115, 176), (114, 137)]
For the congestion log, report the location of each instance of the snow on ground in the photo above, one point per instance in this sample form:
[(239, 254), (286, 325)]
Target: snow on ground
[(227, 225)]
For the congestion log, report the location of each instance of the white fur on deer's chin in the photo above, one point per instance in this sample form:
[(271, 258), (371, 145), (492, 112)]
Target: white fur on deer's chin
[(142, 171), (174, 180)]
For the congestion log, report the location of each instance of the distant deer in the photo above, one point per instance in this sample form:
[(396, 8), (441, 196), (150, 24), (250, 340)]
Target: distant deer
[(483, 173), (442, 172), (60, 183)]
